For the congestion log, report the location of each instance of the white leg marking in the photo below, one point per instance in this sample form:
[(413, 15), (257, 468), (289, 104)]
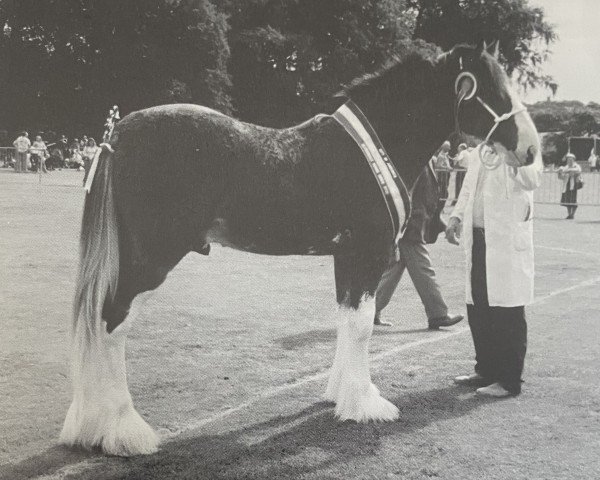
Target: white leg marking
[(341, 354), (350, 381), (102, 412)]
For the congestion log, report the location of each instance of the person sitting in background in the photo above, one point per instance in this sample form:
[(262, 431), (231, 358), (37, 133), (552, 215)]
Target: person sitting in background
[(59, 152), (424, 226), (75, 160), (83, 143), (22, 145), (89, 152), (39, 152), (570, 174)]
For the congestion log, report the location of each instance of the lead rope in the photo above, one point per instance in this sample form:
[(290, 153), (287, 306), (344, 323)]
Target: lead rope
[(487, 153), (498, 118)]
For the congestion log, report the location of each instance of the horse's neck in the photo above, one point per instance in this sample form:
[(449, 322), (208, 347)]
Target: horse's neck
[(413, 119)]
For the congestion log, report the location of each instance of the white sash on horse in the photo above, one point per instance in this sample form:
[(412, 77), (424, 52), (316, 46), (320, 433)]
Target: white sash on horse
[(395, 193)]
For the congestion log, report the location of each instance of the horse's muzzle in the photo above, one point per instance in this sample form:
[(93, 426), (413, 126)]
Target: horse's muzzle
[(529, 156), (531, 153)]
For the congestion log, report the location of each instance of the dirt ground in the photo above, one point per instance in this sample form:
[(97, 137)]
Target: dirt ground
[(228, 361)]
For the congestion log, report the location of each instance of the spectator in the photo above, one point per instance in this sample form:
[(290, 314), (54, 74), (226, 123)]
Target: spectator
[(22, 145), (461, 163), (74, 154), (593, 160), (570, 174), (423, 227), (58, 153), (83, 143), (39, 153), (88, 156), (443, 169)]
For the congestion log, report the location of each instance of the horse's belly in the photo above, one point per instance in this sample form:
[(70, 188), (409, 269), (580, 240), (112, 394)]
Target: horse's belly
[(264, 240)]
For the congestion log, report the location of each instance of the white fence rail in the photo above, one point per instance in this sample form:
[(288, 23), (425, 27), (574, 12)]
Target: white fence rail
[(549, 191)]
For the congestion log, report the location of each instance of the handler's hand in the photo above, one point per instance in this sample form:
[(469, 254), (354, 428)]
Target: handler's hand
[(453, 230)]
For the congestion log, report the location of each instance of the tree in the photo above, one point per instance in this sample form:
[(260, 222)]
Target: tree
[(583, 123), (572, 117), (521, 29), (68, 61), (289, 57)]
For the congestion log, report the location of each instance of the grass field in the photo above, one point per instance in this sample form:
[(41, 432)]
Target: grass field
[(229, 358)]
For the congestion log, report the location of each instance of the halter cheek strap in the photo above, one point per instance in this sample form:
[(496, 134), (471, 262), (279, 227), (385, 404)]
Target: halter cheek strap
[(498, 119), (459, 86)]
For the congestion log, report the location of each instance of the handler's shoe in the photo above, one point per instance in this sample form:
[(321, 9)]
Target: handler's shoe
[(472, 380), (494, 390), (447, 321)]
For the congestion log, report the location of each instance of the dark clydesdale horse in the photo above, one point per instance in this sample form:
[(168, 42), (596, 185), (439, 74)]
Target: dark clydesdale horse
[(305, 190)]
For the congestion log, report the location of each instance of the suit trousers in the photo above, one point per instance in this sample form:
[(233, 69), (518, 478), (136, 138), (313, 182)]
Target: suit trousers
[(499, 333), (414, 256)]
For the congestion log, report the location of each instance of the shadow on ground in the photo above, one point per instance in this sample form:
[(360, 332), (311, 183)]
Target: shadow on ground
[(314, 337), (285, 447), (45, 463)]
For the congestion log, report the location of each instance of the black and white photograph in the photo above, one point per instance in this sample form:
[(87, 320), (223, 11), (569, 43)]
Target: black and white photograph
[(299, 239)]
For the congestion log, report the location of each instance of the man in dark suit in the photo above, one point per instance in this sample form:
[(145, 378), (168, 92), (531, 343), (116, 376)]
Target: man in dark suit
[(423, 227)]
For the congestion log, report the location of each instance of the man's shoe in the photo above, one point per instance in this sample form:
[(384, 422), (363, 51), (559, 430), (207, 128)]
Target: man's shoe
[(447, 321), (495, 390), (473, 380)]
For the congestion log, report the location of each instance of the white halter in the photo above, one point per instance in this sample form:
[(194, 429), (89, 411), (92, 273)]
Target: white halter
[(487, 153)]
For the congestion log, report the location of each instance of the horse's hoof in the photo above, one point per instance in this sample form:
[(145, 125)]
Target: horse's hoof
[(132, 436), (124, 435), (367, 407)]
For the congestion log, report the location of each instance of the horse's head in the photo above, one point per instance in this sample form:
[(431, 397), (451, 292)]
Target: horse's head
[(486, 106)]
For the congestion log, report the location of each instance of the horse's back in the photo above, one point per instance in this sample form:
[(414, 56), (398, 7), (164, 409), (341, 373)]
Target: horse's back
[(187, 173)]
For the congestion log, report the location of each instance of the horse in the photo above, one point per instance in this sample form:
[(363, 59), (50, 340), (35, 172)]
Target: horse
[(176, 178)]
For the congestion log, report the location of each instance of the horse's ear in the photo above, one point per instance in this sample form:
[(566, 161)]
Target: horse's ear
[(481, 47), (494, 49)]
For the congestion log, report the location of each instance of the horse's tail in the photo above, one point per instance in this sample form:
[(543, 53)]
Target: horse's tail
[(99, 256)]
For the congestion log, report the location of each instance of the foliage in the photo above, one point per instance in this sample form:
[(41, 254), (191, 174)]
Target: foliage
[(65, 62), (521, 29), (572, 117), (560, 120), (289, 57)]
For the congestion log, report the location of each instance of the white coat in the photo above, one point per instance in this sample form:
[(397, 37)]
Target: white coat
[(508, 214)]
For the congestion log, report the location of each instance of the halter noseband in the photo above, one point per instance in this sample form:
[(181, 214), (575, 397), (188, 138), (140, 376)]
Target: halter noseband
[(464, 76)]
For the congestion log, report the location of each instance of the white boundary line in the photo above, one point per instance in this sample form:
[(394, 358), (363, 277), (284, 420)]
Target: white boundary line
[(569, 250), (322, 374)]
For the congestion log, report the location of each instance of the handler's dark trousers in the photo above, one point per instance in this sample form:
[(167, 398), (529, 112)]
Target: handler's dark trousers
[(499, 333)]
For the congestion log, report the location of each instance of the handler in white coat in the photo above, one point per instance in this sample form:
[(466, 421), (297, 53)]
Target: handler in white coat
[(494, 212)]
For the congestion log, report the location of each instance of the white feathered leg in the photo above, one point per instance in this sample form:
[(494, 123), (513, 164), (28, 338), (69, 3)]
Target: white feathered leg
[(341, 353), (350, 381), (102, 413)]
